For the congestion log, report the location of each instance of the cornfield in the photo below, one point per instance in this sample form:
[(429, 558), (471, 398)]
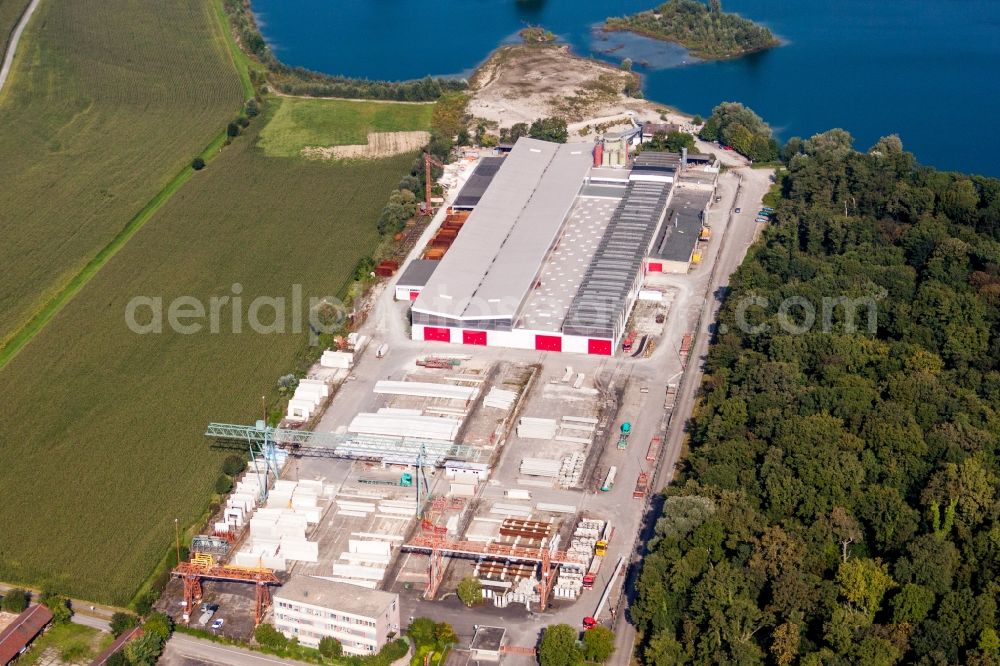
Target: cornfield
[(107, 101), (102, 442)]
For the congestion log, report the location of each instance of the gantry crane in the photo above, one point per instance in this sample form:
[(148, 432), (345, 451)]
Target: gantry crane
[(435, 543), (263, 441), (204, 567)]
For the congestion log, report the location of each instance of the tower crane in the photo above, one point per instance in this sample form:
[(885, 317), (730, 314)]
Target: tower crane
[(428, 161)]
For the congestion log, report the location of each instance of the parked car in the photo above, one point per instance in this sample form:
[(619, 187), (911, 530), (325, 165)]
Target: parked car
[(218, 624), (738, 210)]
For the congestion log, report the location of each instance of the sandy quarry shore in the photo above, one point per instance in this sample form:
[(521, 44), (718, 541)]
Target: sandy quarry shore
[(522, 83)]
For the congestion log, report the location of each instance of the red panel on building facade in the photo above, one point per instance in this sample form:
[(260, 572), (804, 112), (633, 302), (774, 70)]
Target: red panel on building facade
[(437, 334), (413, 294), (474, 337), (602, 347), (548, 343), (654, 267)]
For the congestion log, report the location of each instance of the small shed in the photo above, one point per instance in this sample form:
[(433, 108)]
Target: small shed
[(414, 278), (488, 643)]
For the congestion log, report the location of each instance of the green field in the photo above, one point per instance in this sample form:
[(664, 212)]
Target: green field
[(105, 105), (10, 12), (102, 427), (325, 122)]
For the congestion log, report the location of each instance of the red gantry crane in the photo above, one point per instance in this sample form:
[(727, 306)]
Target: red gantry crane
[(435, 542), (204, 567)]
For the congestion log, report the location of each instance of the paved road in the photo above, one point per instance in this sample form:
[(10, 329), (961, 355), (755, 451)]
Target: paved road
[(8, 58), (90, 621), (184, 650)]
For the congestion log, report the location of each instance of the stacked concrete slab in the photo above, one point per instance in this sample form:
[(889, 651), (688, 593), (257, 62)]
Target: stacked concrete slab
[(309, 394)]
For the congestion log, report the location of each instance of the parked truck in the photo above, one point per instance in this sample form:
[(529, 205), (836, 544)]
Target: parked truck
[(590, 577), (641, 486)]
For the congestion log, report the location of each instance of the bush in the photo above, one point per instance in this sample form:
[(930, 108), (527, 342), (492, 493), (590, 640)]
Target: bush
[(470, 590), (59, 606), (198, 164), (122, 622), (232, 130), (252, 108), (558, 647), (144, 650), (159, 624), (330, 647), (15, 601), (270, 637), (233, 465), (223, 484), (598, 644)]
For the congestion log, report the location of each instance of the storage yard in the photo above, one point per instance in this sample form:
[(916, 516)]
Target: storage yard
[(406, 464)]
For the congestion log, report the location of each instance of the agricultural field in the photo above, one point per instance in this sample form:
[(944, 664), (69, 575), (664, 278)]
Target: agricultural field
[(299, 123), (102, 428), (106, 104), (10, 12)]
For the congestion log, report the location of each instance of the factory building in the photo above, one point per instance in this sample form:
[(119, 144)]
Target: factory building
[(310, 608), (555, 250)]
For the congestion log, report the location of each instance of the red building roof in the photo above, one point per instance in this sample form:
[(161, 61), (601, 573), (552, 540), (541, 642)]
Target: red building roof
[(22, 631)]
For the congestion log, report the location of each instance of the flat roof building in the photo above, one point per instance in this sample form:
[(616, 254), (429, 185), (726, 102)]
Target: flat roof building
[(477, 183), (552, 257), (487, 644), (310, 608), (676, 242), (414, 278)]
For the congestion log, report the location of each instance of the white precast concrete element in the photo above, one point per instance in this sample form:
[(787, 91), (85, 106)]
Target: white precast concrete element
[(540, 467), (500, 399), (426, 390), (463, 471), (536, 428), (337, 359), (406, 425)]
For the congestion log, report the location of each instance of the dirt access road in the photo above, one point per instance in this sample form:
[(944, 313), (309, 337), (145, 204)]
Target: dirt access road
[(15, 38)]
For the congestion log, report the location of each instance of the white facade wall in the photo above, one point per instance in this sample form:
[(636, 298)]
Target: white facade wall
[(359, 634)]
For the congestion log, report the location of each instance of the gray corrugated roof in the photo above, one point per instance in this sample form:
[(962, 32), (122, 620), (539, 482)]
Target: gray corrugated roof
[(491, 266), (602, 296), (478, 182), (678, 237), (417, 273)]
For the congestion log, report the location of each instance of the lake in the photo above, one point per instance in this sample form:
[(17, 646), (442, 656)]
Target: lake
[(924, 69)]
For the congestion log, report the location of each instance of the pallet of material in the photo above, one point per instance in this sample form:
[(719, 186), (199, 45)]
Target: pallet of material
[(508, 510), (351, 514), (372, 558), (426, 390), (403, 425), (540, 467), (555, 508), (536, 428), (500, 399), (368, 584), (573, 440)]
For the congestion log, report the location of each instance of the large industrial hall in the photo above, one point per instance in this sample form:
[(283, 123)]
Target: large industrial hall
[(557, 246)]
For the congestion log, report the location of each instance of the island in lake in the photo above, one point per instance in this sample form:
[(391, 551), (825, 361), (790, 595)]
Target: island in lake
[(705, 30)]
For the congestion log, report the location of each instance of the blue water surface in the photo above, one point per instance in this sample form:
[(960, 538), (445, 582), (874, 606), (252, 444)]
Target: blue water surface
[(924, 69)]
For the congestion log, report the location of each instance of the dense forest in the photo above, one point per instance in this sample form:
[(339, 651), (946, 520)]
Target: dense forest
[(304, 82), (839, 503), (704, 30)]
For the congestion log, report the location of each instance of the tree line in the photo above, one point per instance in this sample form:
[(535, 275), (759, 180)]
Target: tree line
[(839, 503), (301, 81)]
